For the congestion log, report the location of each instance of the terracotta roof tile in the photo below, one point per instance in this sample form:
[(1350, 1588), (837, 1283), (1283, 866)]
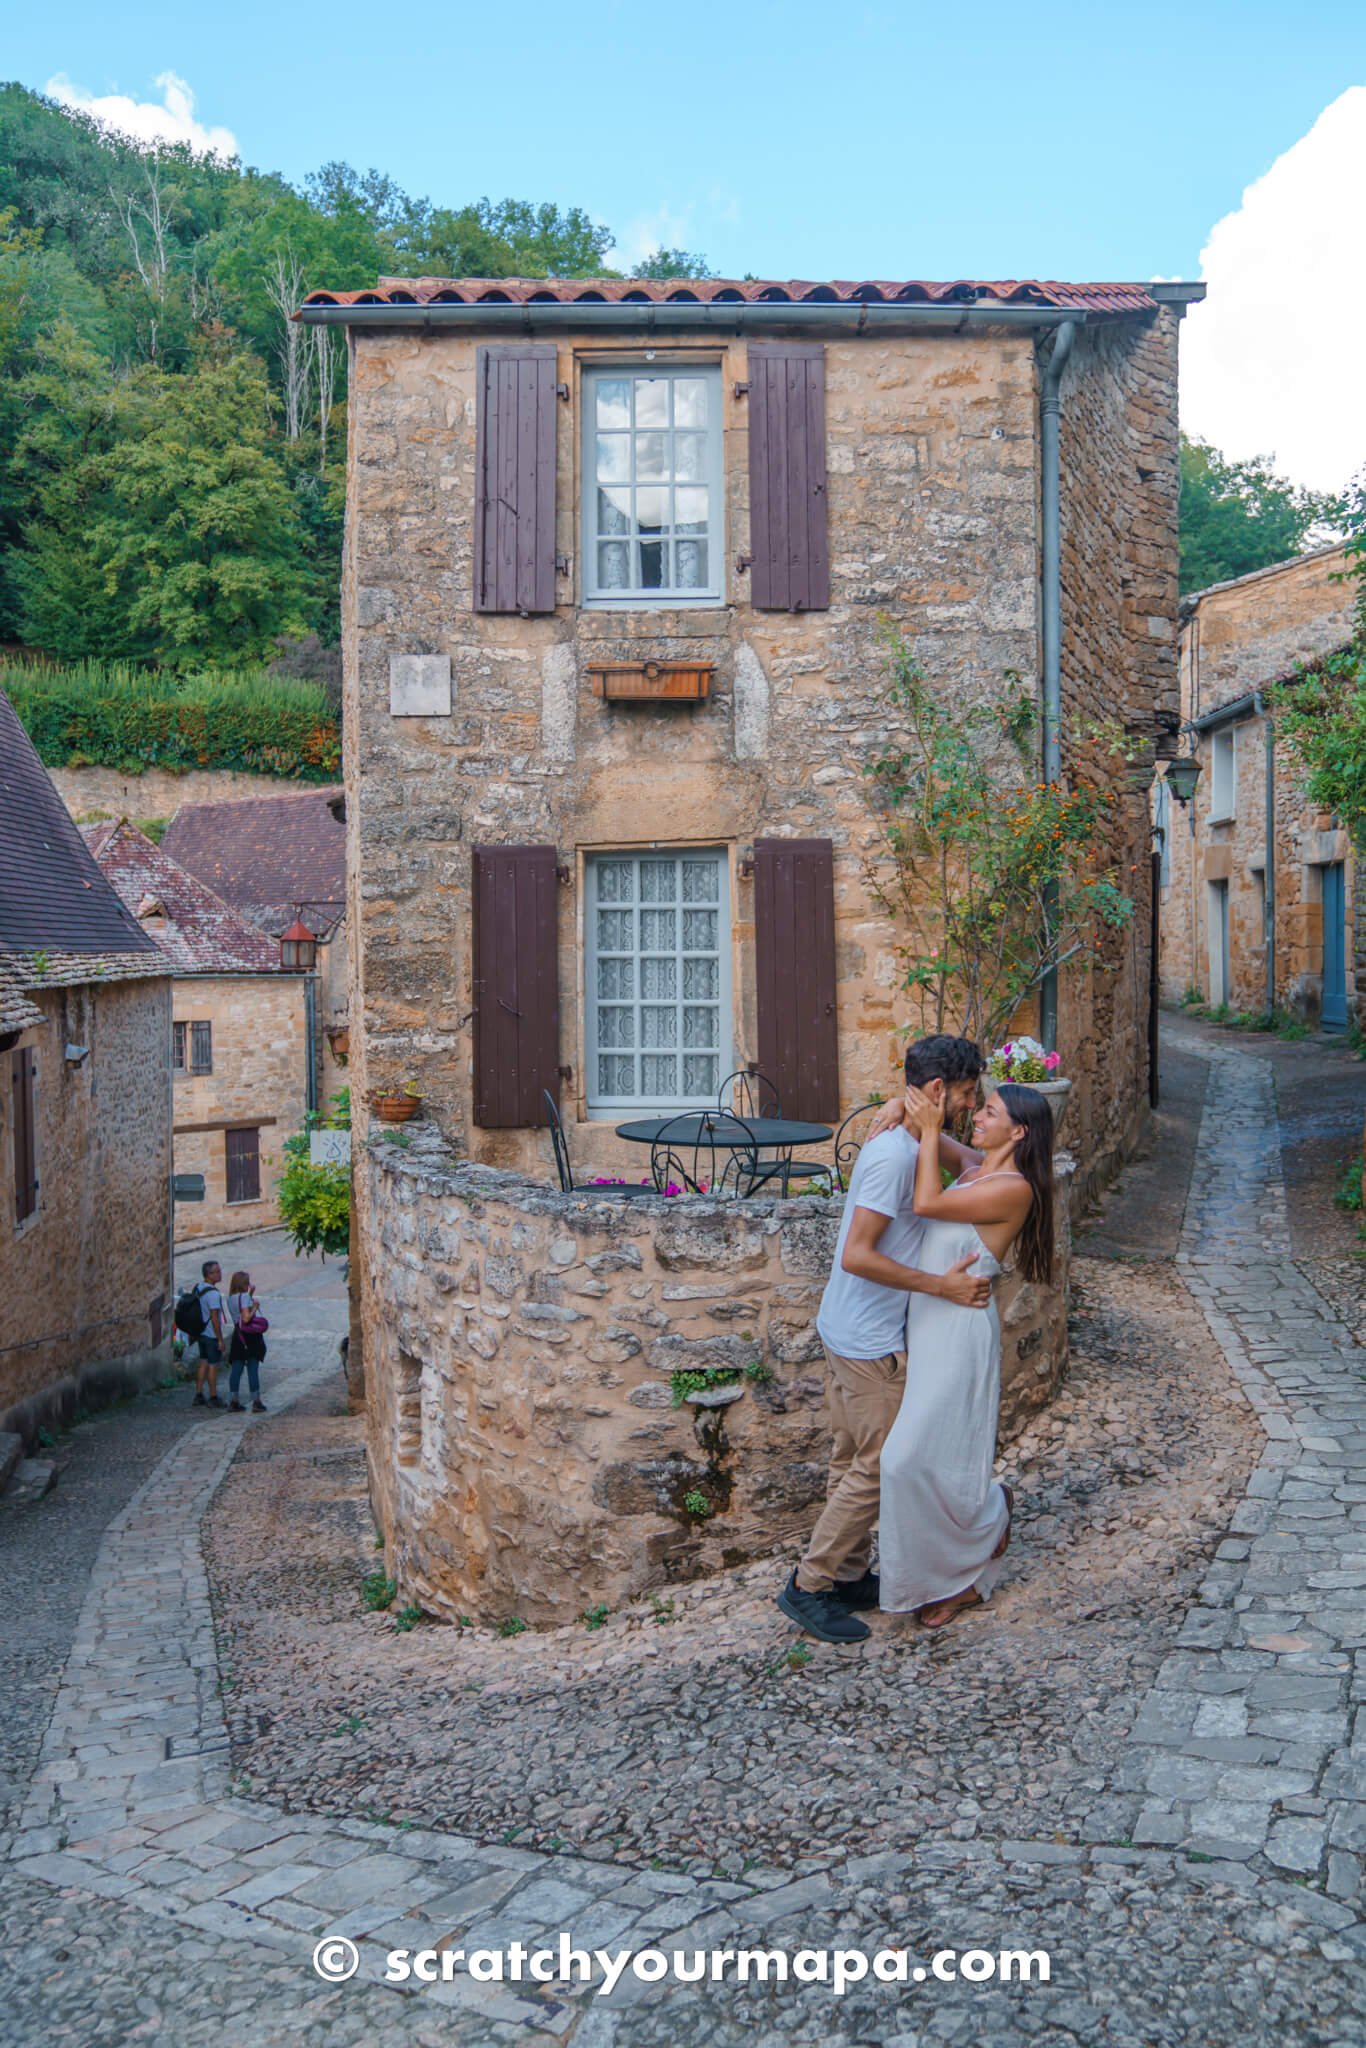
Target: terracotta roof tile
[(53, 898), (265, 854), (1113, 299), (197, 931)]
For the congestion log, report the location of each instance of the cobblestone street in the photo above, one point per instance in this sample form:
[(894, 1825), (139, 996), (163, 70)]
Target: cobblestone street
[(1141, 1757)]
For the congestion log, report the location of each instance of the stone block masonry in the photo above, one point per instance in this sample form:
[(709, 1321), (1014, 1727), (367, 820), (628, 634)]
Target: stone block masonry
[(259, 1081), (532, 1447)]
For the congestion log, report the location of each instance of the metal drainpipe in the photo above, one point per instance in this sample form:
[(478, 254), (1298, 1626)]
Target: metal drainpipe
[(310, 1060), (1269, 871), (1050, 409)]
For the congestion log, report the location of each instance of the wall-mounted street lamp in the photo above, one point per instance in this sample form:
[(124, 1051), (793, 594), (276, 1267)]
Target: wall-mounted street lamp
[(298, 948), (1182, 778)]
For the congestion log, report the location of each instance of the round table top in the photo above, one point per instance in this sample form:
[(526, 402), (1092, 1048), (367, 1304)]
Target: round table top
[(685, 1128)]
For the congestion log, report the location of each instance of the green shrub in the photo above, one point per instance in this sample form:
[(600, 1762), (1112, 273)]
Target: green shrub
[(113, 714), (699, 1380), (1347, 1194), (315, 1202)]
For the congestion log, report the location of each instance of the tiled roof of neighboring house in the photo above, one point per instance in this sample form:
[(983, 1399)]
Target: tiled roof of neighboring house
[(1115, 299), (267, 854), (53, 898), (17, 1013), (197, 931)]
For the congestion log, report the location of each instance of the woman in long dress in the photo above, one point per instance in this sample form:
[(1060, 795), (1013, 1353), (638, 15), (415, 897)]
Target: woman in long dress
[(945, 1522)]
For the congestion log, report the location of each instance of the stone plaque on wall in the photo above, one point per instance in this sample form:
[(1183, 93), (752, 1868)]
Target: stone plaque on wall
[(420, 685), (329, 1148)]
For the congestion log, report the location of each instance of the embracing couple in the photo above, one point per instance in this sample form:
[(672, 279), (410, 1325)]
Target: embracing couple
[(913, 1345)]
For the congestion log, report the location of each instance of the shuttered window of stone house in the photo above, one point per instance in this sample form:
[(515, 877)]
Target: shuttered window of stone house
[(243, 1149), (514, 492), (789, 536), (794, 959), (516, 985), (201, 1048), (179, 1049), (24, 1083)]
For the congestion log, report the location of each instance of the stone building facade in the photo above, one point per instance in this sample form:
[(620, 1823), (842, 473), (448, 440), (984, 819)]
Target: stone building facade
[(566, 751), (1236, 640), (239, 1036), (85, 1118)]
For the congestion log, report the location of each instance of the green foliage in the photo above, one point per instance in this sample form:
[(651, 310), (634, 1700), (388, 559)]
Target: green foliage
[(116, 715), (696, 1504), (1321, 715), (795, 1659), (378, 1592), (512, 1626), (1241, 516), (994, 877), (1192, 998), (758, 1372), (662, 1612), (407, 1618), (315, 1202), (595, 1617), (699, 1380), (1347, 1194)]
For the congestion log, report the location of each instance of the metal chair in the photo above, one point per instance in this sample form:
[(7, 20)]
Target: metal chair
[(560, 1142), (758, 1097), (697, 1136), (849, 1140)]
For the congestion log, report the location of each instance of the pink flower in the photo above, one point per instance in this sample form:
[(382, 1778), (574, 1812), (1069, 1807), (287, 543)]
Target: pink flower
[(1052, 1059)]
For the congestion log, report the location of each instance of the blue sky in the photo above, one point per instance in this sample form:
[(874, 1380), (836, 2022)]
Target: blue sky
[(789, 140)]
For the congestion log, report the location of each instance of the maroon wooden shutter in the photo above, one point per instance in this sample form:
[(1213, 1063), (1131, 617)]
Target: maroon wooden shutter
[(794, 954), (514, 492), (244, 1165), (516, 985), (789, 541), (24, 1069), (201, 1048)]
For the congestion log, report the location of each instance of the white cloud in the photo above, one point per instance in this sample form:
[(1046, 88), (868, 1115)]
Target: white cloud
[(662, 229), (173, 120), (1271, 363)]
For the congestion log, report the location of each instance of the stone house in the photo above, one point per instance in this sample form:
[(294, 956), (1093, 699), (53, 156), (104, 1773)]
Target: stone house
[(85, 1117), (618, 560), (238, 1035), (1219, 905), (276, 858)]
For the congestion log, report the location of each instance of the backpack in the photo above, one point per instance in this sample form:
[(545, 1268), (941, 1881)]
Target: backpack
[(189, 1317)]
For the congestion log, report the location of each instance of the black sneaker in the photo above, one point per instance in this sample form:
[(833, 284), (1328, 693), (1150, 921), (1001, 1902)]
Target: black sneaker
[(858, 1595), (198, 1401), (236, 1408), (821, 1614), (258, 1407), (213, 1402)]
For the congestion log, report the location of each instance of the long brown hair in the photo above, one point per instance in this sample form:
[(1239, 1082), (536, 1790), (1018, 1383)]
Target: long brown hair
[(1034, 1159), (240, 1283)]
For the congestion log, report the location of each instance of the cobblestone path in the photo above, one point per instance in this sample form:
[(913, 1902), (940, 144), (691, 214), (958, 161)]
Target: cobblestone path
[(139, 1899)]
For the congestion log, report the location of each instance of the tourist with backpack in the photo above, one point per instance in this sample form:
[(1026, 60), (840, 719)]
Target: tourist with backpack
[(248, 1345), (201, 1317)]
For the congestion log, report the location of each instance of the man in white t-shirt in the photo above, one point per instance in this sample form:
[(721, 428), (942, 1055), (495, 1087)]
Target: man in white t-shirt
[(213, 1335), (862, 1325)]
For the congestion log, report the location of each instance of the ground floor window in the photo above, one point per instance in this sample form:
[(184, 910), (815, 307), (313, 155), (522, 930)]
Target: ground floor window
[(657, 979), (244, 1165)]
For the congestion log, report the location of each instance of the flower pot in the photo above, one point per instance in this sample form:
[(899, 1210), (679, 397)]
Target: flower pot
[(1057, 1093), (396, 1109)]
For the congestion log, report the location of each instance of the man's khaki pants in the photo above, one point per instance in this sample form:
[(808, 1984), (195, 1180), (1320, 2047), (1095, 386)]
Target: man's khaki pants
[(864, 1395)]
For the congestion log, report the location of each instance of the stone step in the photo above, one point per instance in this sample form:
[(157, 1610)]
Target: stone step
[(32, 1478)]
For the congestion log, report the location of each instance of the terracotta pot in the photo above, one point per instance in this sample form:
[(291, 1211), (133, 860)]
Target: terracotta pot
[(396, 1109)]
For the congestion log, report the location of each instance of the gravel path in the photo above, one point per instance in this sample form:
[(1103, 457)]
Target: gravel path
[(1139, 1759)]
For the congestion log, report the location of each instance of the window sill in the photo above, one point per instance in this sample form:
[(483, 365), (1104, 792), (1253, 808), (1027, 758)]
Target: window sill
[(705, 601), (1225, 818)]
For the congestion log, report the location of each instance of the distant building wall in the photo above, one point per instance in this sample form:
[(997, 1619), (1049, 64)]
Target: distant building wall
[(1236, 639), (258, 1082), (85, 1282)]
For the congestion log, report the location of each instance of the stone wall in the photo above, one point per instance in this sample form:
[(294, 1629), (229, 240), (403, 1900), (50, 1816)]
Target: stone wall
[(259, 1078), (1237, 638), (86, 1283), (157, 793), (933, 493), (526, 1455), (1119, 485)]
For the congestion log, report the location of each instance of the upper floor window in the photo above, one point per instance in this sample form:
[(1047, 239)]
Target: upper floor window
[(1223, 778), (192, 1048), (652, 485)]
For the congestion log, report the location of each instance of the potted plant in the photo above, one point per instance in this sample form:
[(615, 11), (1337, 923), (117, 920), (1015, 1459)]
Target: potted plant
[(1024, 1060), (397, 1106)]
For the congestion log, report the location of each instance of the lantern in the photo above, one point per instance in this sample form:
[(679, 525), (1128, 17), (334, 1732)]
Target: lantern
[(298, 948), (1182, 777)]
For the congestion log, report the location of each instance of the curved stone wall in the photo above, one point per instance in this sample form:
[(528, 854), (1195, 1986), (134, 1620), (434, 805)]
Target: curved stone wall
[(533, 1450)]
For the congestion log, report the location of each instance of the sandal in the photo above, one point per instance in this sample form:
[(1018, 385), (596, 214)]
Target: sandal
[(946, 1609), (1004, 1543)]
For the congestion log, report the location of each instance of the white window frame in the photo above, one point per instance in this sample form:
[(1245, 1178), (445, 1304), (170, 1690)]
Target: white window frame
[(1223, 775), (642, 599), (619, 1108)]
